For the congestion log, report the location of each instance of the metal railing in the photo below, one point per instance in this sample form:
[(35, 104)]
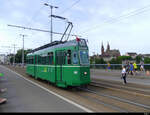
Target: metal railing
[(116, 66)]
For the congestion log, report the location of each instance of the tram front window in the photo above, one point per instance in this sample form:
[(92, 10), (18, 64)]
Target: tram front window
[(82, 43), (75, 58), (84, 58)]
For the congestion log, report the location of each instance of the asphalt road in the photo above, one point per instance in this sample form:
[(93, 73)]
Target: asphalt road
[(24, 96)]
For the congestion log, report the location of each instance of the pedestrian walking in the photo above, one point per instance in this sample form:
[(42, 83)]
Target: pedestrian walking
[(131, 68), (142, 67), (127, 67), (135, 68), (123, 74), (108, 66)]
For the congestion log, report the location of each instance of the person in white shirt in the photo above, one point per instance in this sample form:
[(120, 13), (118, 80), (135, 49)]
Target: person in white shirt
[(123, 73)]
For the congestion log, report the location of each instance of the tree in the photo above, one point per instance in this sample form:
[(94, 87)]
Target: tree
[(100, 61), (138, 59), (91, 60), (113, 61), (119, 59), (18, 56), (147, 60)]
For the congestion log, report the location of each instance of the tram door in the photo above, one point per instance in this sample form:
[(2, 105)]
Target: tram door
[(35, 66), (60, 61)]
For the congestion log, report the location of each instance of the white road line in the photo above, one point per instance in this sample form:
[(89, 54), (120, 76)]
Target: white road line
[(69, 101)]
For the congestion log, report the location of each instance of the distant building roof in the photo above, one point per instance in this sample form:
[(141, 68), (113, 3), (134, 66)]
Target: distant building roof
[(146, 54), (131, 53)]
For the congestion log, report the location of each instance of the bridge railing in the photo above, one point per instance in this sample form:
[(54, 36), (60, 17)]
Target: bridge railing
[(116, 66)]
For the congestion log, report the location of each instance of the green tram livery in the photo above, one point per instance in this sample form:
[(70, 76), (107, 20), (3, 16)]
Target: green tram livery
[(62, 63)]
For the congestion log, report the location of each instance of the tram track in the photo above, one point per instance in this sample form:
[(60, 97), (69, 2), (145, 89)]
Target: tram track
[(135, 89), (116, 103)]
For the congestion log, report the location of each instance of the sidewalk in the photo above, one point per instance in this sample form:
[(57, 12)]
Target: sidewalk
[(24, 95), (115, 75), (2, 100)]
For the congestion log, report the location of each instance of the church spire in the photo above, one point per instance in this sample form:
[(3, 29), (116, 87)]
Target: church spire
[(102, 49), (108, 47)]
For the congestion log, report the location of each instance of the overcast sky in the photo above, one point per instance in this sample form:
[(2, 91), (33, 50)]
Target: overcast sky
[(125, 24)]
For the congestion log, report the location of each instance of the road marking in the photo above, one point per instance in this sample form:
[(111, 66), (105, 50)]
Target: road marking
[(65, 99)]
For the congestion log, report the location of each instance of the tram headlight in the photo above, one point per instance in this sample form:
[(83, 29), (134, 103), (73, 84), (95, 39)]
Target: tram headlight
[(85, 73)]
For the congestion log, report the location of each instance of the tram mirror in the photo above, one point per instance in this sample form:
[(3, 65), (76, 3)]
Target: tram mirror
[(65, 54)]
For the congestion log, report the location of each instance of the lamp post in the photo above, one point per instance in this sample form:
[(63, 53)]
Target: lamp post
[(23, 49), (51, 7)]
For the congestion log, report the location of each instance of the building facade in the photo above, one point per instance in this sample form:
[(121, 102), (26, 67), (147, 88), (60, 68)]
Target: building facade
[(109, 54)]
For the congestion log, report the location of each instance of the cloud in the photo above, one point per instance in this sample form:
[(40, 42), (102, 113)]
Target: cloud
[(96, 20)]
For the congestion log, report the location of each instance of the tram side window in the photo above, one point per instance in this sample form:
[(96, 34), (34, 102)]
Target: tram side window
[(60, 58), (39, 59), (50, 58), (44, 60), (69, 56), (47, 60), (35, 59), (27, 60), (30, 60)]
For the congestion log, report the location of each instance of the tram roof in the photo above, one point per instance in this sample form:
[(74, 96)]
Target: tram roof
[(55, 44)]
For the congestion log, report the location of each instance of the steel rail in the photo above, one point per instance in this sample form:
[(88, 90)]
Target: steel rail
[(111, 86), (116, 98), (116, 108), (132, 88)]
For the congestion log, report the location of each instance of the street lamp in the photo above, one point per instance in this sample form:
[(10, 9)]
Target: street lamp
[(54, 16), (23, 48), (51, 7)]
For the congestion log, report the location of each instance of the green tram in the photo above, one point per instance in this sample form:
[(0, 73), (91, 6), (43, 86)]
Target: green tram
[(62, 63)]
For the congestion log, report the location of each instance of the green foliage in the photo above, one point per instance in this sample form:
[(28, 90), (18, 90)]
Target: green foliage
[(100, 61), (124, 58), (91, 60), (119, 59), (113, 61), (146, 60), (94, 60), (11, 59), (138, 59), (18, 56)]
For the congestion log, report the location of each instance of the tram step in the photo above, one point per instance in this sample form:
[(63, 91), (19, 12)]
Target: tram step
[(61, 84)]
